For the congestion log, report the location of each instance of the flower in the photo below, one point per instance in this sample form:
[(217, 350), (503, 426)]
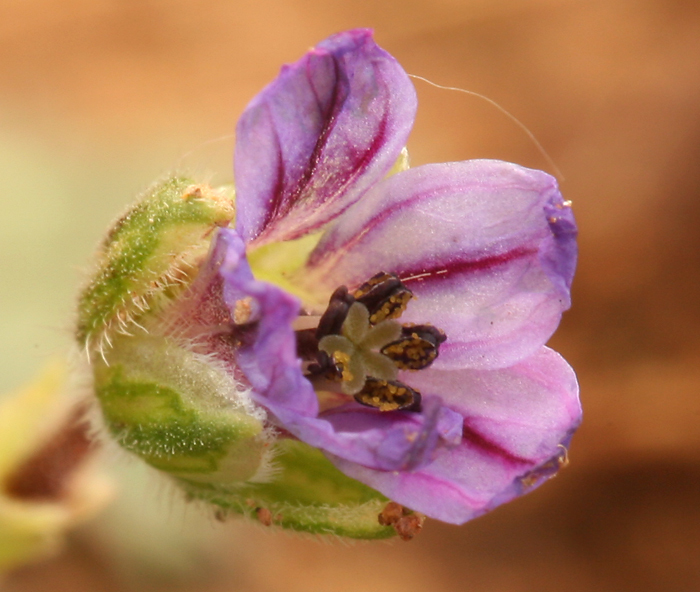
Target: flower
[(408, 346), (365, 343)]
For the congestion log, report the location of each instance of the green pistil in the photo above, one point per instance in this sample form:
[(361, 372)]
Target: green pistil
[(356, 349)]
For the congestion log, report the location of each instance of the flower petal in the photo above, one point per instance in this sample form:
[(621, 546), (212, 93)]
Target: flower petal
[(312, 142), (396, 441), (517, 422), (267, 354), (487, 247), (267, 359)]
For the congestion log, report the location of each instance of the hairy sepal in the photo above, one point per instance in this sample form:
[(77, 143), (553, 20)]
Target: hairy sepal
[(306, 494), (183, 415), (180, 412), (149, 256)]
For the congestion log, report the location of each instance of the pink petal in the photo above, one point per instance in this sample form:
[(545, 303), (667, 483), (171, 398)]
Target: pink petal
[(517, 422), (312, 142), (487, 247)]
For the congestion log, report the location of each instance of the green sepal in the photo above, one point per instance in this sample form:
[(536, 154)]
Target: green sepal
[(148, 256), (306, 493), (179, 412), (184, 416)]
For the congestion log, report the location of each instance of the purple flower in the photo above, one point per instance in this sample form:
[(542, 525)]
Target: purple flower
[(426, 377)]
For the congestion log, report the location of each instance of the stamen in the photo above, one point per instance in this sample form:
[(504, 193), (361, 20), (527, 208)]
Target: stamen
[(385, 297), (417, 349), (332, 320), (388, 395), (243, 311)]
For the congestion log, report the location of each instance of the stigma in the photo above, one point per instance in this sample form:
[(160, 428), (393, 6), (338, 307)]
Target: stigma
[(359, 347)]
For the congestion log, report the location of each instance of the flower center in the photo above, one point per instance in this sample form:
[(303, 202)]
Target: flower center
[(358, 347)]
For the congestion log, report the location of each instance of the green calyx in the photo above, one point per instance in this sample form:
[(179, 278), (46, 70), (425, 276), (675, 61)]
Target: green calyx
[(149, 255), (179, 412), (186, 417), (307, 494)]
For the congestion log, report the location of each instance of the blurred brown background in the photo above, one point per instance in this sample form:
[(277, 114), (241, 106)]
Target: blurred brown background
[(99, 97)]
